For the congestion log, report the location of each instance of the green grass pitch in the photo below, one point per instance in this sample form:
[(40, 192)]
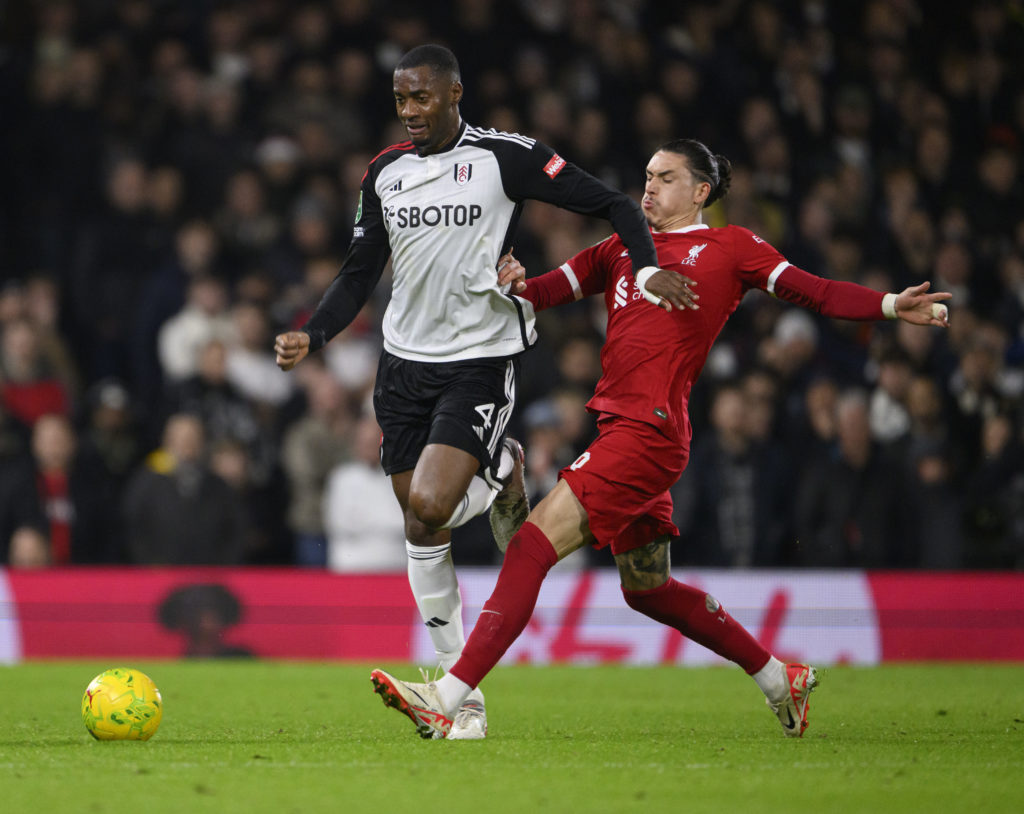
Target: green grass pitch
[(296, 737)]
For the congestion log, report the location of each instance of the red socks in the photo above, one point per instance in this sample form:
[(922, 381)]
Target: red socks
[(698, 616), (530, 556), (528, 559)]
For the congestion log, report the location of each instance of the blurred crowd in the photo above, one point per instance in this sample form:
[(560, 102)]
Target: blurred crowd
[(179, 181)]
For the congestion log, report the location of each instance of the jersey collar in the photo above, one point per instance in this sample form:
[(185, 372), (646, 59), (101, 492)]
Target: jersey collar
[(693, 227), (451, 144)]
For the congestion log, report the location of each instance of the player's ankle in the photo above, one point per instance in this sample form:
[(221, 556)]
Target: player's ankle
[(452, 691), (772, 680)]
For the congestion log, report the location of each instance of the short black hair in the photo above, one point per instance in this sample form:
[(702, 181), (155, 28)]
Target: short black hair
[(436, 57)]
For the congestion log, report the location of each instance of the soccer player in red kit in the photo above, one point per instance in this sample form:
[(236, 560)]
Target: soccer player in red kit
[(616, 493)]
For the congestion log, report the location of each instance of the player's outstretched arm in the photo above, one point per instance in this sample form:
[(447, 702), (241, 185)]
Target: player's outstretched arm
[(841, 299), (916, 306), (291, 348)]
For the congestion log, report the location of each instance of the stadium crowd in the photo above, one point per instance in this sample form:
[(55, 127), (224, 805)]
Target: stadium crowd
[(180, 180)]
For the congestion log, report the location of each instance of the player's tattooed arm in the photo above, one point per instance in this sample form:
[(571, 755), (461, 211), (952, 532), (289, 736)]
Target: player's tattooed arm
[(646, 568)]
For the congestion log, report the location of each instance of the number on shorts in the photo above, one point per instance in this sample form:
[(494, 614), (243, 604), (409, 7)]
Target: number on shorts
[(486, 411), (581, 461)]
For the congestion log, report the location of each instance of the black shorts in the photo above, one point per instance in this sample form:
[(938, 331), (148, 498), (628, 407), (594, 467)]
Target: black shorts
[(465, 404)]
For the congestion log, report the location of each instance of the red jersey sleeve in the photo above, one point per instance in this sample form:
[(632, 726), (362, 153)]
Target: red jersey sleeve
[(831, 298), (757, 261), (579, 277), (761, 266)]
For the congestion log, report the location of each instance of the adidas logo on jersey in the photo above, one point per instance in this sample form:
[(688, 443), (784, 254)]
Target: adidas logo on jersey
[(394, 187)]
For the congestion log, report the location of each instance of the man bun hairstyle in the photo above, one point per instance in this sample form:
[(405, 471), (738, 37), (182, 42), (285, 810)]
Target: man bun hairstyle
[(713, 169), (436, 57)]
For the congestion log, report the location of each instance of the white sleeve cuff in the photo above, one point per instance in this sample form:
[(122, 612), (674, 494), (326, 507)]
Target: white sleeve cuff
[(889, 306), (642, 277)]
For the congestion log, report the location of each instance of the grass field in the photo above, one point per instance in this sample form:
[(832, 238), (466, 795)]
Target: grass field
[(286, 737)]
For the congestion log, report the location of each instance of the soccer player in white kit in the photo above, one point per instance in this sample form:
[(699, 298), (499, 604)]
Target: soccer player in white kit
[(444, 206)]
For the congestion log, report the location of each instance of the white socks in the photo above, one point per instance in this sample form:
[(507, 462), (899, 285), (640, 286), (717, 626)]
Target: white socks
[(478, 499), (453, 691), (480, 494), (436, 591), (773, 681), (436, 588)]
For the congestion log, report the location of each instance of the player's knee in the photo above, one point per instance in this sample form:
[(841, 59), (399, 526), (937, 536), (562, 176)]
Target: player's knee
[(645, 568), (639, 598), (633, 599), (430, 509)]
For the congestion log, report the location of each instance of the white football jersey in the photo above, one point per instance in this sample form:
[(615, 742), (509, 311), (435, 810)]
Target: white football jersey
[(445, 219)]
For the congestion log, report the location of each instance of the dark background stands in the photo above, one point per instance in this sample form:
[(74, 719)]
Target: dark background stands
[(150, 144)]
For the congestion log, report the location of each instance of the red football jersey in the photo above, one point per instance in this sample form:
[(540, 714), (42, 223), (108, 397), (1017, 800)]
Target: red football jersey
[(652, 357)]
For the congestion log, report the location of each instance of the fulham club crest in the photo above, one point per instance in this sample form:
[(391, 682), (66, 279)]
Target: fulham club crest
[(463, 172)]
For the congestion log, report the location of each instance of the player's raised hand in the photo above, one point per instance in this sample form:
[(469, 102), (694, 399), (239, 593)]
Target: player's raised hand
[(916, 306), (668, 289), (512, 274), (291, 348)]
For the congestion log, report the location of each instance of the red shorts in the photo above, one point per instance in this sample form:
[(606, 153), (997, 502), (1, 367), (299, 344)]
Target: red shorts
[(622, 480)]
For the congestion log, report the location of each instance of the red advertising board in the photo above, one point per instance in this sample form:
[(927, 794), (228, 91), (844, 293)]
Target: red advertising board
[(937, 616), (827, 617), (277, 613)]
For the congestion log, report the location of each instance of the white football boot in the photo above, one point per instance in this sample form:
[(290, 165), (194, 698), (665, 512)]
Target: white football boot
[(792, 710), (470, 723), (417, 701)]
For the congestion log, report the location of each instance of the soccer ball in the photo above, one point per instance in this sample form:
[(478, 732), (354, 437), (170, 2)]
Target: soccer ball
[(122, 704)]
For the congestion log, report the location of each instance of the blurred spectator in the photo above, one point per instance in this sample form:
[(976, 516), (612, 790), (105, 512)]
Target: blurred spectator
[(888, 412), (40, 300), (545, 446), (312, 447), (204, 319), (308, 235), (250, 359), (29, 549), (115, 250), (851, 509), (978, 385), (558, 429), (176, 511), (731, 500), (265, 534), (995, 495), (352, 355), (224, 411), (791, 354), (23, 526), (110, 435), (939, 505), (246, 227), (29, 386), (277, 157), (76, 496), (364, 530), (819, 432), (194, 257), (165, 194)]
